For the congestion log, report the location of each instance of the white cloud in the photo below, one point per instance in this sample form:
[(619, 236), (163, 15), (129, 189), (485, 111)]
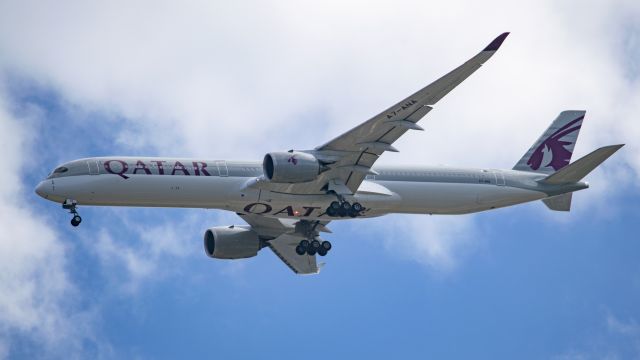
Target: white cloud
[(203, 79), (627, 327), (616, 339), (128, 263), (37, 298), (218, 79), (437, 242)]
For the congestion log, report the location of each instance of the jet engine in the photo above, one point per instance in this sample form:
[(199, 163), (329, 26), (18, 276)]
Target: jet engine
[(290, 167), (231, 242)]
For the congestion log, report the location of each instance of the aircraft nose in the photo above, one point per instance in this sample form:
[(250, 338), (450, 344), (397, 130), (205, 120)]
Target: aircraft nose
[(41, 189)]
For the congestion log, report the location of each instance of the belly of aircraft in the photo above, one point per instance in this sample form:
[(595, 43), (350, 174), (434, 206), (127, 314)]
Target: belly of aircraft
[(455, 198)]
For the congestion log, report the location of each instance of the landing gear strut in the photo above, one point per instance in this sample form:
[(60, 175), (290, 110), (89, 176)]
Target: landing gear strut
[(71, 205)]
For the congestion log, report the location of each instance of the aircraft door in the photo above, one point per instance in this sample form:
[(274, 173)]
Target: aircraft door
[(484, 177), (93, 167), (499, 178), (222, 168)]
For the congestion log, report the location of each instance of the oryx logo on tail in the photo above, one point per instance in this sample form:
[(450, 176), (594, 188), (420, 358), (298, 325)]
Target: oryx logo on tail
[(560, 155), (552, 151)]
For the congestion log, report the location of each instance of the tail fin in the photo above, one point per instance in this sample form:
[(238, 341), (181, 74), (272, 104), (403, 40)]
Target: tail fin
[(581, 167), (554, 148)]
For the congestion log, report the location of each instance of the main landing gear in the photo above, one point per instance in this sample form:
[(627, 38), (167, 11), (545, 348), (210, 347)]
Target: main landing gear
[(70, 205), (342, 208), (311, 244), (313, 247)]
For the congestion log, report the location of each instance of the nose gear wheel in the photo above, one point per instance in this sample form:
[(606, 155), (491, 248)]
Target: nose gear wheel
[(71, 205)]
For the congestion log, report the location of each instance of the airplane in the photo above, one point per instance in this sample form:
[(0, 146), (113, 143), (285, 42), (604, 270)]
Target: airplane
[(288, 199)]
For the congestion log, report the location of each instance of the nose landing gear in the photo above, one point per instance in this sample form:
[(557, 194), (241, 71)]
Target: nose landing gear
[(71, 205), (76, 220)]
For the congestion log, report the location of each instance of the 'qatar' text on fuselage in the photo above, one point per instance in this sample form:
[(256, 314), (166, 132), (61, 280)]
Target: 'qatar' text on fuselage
[(157, 167)]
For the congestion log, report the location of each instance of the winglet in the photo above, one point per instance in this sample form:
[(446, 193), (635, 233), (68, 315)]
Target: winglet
[(495, 44)]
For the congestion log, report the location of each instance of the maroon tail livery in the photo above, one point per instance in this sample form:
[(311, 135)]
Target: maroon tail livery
[(554, 148)]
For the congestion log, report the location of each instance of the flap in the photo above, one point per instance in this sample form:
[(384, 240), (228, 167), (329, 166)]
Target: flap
[(371, 188)]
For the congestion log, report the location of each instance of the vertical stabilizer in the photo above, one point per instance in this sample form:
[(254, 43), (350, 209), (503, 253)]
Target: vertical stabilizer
[(554, 148)]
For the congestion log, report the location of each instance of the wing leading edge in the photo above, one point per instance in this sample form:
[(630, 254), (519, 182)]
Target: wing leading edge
[(367, 141), (374, 133), (350, 156)]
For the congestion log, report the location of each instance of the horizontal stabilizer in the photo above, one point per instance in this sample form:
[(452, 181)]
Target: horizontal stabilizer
[(577, 170), (559, 202)]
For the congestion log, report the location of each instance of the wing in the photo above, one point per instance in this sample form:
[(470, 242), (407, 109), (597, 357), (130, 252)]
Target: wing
[(283, 235), (350, 156)]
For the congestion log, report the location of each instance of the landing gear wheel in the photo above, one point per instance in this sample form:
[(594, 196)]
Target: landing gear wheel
[(70, 204), (313, 248), (303, 247), (331, 211), (357, 207), (315, 245), (326, 245), (335, 205), (345, 206), (76, 220), (322, 252)]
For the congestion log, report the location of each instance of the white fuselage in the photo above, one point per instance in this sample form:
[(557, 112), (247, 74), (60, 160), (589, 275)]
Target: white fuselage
[(192, 183)]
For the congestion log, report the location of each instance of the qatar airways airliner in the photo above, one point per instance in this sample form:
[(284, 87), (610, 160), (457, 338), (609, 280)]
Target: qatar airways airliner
[(289, 198)]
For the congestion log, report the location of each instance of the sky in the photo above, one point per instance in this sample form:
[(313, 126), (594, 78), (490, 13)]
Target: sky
[(235, 80)]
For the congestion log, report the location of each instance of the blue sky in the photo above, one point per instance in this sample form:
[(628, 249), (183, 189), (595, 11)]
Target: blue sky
[(521, 282)]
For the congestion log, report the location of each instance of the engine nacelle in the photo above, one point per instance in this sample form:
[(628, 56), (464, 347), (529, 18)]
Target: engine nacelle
[(231, 242), (290, 167)]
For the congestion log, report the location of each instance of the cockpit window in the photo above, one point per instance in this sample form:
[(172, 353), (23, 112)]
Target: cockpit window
[(73, 168)]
